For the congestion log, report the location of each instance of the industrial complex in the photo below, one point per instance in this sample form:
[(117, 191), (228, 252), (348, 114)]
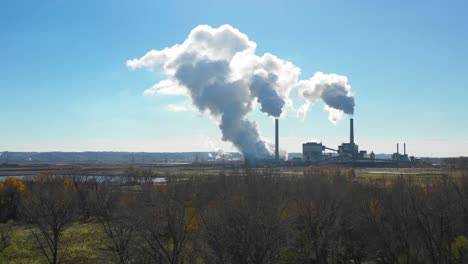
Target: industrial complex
[(346, 154)]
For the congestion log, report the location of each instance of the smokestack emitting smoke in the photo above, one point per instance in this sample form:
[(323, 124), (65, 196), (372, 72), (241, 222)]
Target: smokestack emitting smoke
[(351, 131), (333, 89), (219, 70), (397, 149), (276, 139), (404, 148)]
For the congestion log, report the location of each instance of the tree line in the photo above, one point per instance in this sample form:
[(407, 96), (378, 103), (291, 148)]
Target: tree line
[(456, 163), (245, 216)]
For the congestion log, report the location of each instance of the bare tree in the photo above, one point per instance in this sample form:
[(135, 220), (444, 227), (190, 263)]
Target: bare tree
[(113, 209), (85, 187), (169, 222), (320, 198), (253, 216), (244, 222), (50, 208)]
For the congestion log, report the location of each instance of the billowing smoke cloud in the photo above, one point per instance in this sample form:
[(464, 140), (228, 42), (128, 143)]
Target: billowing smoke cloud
[(211, 90), (263, 88), (219, 70), (220, 154), (333, 89)]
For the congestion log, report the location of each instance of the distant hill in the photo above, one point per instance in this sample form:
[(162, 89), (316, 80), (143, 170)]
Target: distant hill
[(112, 156), (140, 156)]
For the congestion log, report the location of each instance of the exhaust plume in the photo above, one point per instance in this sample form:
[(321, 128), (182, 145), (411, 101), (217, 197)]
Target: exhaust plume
[(219, 70), (263, 88), (333, 89)]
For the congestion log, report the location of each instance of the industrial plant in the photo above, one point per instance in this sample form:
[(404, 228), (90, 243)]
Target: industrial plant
[(346, 154)]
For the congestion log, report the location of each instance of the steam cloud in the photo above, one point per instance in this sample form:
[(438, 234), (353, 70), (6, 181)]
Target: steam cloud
[(333, 89), (219, 70)]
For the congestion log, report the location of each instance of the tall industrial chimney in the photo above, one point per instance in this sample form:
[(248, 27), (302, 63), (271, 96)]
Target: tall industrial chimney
[(404, 148), (397, 149), (276, 139), (351, 131)]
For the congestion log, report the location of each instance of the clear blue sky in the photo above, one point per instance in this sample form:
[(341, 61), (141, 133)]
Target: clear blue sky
[(64, 84)]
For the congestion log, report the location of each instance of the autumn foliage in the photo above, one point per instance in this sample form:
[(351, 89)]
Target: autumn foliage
[(13, 184), (325, 215)]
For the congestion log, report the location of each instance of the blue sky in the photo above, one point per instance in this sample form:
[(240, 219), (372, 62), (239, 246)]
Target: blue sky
[(64, 84)]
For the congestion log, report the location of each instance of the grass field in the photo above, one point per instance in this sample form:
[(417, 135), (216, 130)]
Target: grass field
[(415, 173), (88, 246)]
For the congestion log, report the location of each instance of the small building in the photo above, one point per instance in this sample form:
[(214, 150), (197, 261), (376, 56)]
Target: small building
[(400, 157), (362, 154)]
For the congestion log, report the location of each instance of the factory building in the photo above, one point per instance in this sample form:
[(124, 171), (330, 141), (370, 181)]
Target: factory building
[(351, 150), (348, 154), (397, 156), (312, 151), (348, 150)]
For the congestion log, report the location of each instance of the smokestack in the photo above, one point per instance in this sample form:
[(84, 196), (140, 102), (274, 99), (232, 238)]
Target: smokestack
[(397, 149), (404, 148), (276, 139), (351, 131)]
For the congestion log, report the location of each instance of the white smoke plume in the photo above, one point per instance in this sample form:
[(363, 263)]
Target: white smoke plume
[(334, 115), (220, 153), (219, 70), (333, 89), (221, 73)]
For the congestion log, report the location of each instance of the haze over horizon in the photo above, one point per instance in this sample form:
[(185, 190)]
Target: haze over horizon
[(67, 83)]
